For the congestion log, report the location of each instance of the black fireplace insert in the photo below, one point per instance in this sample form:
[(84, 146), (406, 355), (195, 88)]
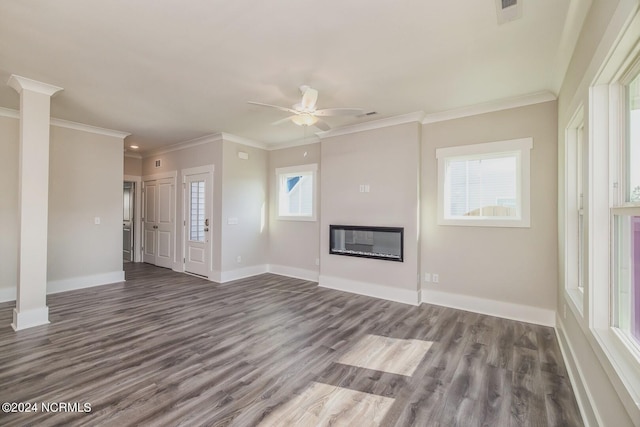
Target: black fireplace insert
[(386, 243)]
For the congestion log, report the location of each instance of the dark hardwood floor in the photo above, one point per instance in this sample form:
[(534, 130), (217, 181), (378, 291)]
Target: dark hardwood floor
[(168, 349)]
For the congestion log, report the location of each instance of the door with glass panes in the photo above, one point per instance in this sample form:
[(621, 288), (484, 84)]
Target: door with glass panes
[(197, 224)]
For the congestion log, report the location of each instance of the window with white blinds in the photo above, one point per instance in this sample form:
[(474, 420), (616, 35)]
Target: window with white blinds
[(484, 184)]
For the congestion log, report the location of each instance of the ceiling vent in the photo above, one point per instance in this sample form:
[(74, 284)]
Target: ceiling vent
[(368, 113), (508, 10)]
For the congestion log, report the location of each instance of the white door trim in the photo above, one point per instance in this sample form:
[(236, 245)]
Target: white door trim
[(137, 217), (164, 175), (209, 169)]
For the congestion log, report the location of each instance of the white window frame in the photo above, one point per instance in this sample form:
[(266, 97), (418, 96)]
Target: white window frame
[(576, 277), (522, 148), (282, 173), (607, 134)]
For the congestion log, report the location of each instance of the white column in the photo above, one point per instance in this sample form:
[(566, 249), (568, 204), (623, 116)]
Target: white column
[(33, 204)]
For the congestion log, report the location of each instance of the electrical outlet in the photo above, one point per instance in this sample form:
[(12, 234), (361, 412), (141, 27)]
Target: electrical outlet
[(435, 278), (427, 277), (317, 261), (239, 259)]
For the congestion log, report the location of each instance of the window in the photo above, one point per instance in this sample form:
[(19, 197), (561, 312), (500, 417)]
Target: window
[(485, 184), (613, 214), (575, 208), (626, 221), (296, 192), (197, 211)]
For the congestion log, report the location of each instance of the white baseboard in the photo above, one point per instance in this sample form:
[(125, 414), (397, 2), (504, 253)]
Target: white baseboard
[(63, 285), (241, 273), (576, 376), (7, 294), (296, 273), (215, 276), (507, 310), (405, 296), (29, 318)]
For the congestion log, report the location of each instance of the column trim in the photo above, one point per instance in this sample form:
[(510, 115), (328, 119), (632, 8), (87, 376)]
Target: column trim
[(20, 83)]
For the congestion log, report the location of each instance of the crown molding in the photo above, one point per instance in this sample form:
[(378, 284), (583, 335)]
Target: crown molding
[(133, 155), (244, 141), (183, 145), (417, 116), (15, 114), (20, 83), (88, 128), (490, 107), (313, 139), (10, 113), (221, 136)]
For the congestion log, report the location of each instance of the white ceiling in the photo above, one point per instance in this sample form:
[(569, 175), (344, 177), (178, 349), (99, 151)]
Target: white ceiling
[(169, 71)]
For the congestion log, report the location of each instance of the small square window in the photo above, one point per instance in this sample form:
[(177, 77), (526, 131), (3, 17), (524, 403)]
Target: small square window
[(296, 192)]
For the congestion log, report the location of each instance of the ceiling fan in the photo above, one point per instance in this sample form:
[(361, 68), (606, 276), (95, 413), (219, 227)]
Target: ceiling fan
[(305, 113)]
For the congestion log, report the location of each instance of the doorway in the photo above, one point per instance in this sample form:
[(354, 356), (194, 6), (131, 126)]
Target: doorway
[(158, 245), (198, 191), (128, 221)]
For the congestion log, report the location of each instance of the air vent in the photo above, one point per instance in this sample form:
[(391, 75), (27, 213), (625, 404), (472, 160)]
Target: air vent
[(367, 114), (508, 10)]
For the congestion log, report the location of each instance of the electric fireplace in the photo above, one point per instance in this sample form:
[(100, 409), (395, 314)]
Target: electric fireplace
[(385, 243)]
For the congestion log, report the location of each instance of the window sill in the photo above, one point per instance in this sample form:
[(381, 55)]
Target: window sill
[(507, 223), (622, 369), (575, 298), (297, 218)]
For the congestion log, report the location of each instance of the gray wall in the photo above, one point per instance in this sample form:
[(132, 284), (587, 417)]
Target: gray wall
[(85, 181), (132, 166), (244, 196), (388, 161), (293, 244), (9, 144), (511, 265)]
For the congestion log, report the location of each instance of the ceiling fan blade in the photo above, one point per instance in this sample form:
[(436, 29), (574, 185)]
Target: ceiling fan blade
[(288, 110), (309, 98), (339, 112), (281, 121), (322, 125)]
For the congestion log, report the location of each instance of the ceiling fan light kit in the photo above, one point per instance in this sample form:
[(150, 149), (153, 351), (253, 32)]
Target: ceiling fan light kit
[(305, 112), (304, 119)]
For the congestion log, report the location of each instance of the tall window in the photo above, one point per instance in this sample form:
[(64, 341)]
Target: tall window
[(613, 216), (484, 184), (575, 209), (626, 221), (296, 192)]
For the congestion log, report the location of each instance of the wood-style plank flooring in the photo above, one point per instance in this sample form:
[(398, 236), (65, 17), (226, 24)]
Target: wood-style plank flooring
[(168, 349)]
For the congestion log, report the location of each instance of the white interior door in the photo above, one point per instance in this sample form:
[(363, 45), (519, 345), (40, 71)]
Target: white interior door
[(159, 220), (150, 217), (197, 224), (164, 222)]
